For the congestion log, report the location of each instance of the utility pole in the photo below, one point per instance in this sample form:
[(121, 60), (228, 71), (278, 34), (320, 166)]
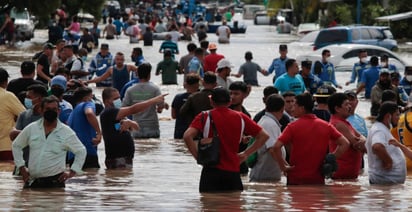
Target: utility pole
[(358, 11)]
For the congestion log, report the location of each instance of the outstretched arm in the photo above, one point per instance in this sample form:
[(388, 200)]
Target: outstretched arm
[(139, 107)]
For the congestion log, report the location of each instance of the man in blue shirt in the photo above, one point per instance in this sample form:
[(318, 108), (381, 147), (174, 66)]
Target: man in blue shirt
[(278, 64), (369, 77), (406, 81), (100, 64), (325, 70), (359, 67), (385, 63), (137, 58), (196, 63), (291, 81), (312, 82)]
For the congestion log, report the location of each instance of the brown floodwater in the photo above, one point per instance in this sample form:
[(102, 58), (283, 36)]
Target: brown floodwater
[(165, 176)]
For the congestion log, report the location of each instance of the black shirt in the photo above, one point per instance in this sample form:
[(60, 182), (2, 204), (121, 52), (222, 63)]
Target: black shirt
[(117, 144), (44, 61)]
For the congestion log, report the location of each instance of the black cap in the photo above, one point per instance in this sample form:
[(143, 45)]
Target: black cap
[(283, 47), (104, 46), (4, 75), (28, 66), (324, 91), (49, 46), (220, 95)]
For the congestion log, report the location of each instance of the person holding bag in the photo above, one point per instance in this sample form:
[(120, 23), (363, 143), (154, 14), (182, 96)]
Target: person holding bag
[(230, 125)]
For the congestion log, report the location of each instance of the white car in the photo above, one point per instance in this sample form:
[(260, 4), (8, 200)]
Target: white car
[(344, 56), (24, 23)]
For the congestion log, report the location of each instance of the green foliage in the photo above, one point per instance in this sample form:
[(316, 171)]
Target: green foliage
[(343, 13), (371, 12)]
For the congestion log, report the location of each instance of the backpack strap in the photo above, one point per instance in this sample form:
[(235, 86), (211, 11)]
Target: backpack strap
[(206, 126), (243, 127)]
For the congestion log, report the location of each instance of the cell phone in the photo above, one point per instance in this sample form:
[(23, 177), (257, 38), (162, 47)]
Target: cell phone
[(117, 126)]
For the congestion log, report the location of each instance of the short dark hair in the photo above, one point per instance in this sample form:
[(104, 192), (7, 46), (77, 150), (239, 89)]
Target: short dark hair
[(81, 92), (192, 78), (288, 93), (61, 71), (199, 51), (268, 90), (107, 93), (48, 100), (143, 72), (238, 86), (336, 100), (38, 89), (386, 107), (275, 103), (209, 77), (220, 96), (138, 50), (248, 55), (191, 47), (362, 51), (4, 75), (289, 63), (389, 95), (27, 67), (374, 61), (204, 44), (325, 51), (306, 101)]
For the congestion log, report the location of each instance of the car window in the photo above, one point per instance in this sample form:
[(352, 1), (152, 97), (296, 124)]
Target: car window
[(19, 14), (375, 34), (310, 37), (351, 53), (388, 34), (356, 34), (365, 34), (332, 36)]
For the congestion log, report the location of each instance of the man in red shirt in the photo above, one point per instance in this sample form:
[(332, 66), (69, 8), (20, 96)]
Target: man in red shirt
[(349, 164), (230, 126), (308, 138), (211, 60)]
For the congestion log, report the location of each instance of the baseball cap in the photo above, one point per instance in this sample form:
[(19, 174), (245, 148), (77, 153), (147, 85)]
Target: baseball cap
[(350, 93), (104, 46), (283, 47), (384, 71), (395, 75), (49, 46), (324, 91), (28, 66), (223, 63), (59, 80), (212, 46), (220, 95)]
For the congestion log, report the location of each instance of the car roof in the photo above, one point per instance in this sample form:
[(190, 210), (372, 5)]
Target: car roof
[(345, 47), (354, 27)]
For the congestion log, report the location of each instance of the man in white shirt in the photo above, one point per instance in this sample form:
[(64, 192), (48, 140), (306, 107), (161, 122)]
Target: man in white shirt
[(223, 33), (49, 140), (387, 163)]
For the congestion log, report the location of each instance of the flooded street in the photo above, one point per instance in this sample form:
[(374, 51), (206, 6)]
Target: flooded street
[(165, 176)]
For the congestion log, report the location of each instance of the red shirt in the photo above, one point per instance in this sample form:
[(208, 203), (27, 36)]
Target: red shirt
[(349, 163), (210, 61), (309, 138), (228, 125)]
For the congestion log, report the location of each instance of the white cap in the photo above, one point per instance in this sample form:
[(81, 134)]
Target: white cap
[(223, 63)]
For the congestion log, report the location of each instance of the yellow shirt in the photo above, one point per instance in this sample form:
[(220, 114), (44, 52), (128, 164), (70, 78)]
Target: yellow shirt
[(404, 135), (10, 108)]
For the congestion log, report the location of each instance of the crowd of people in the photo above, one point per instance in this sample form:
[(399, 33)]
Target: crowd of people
[(308, 129)]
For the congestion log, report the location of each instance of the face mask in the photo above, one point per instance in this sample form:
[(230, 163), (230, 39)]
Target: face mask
[(327, 59), (28, 103), (409, 78), (84, 58), (383, 64), (50, 115), (57, 91), (117, 103), (364, 60)]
